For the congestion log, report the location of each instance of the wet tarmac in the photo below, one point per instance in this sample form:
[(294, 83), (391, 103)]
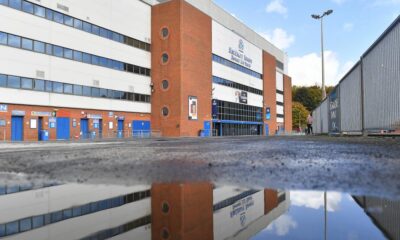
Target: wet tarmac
[(228, 188)]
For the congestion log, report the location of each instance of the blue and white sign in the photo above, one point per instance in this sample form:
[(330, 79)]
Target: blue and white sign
[(3, 108), (268, 113), (18, 113)]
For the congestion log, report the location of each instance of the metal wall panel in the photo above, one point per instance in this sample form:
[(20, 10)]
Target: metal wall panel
[(317, 121), (381, 74), (350, 101), (324, 116)]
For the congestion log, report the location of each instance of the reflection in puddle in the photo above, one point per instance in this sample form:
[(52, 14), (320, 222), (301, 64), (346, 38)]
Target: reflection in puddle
[(190, 211)]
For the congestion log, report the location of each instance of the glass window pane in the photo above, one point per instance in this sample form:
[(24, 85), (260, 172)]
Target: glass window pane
[(27, 44), (39, 85), (103, 62), (57, 87), (76, 212), (26, 83), (67, 53), (67, 214), (58, 17), (12, 228), (3, 38), (68, 20), (95, 92), (38, 47), (78, 56), (3, 82), (95, 60), (58, 51), (49, 86), (49, 14), (14, 41), (27, 7), (25, 224), (56, 216), (49, 49), (95, 30), (110, 94), (67, 88), (87, 91), (14, 82), (87, 27), (103, 93), (117, 95), (86, 58), (2, 230), (104, 32), (39, 11), (15, 4), (77, 90), (37, 221), (77, 23)]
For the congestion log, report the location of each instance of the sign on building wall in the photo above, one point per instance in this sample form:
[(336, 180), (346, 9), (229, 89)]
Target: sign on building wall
[(214, 109), (41, 114), (192, 108), (334, 111), (241, 97), (18, 113), (3, 108), (268, 113)]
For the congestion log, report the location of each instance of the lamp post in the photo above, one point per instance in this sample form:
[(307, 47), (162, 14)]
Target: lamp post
[(321, 17)]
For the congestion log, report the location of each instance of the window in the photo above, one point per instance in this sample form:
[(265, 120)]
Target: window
[(95, 30), (67, 214), (25, 224), (27, 7), (56, 216), (15, 4), (103, 93), (57, 87), (39, 85), (87, 27), (86, 58), (38, 221), (87, 91), (58, 17), (104, 32), (130, 96), (77, 24), (39, 11), (103, 61), (68, 21), (2, 230), (67, 53), (14, 41), (95, 60), (14, 82), (3, 80), (49, 14), (78, 56), (27, 44), (164, 111), (12, 228), (67, 88), (95, 92), (58, 51), (49, 86), (165, 84), (49, 49), (117, 95), (26, 83), (116, 37), (3, 38), (77, 90), (164, 32), (164, 58), (38, 46)]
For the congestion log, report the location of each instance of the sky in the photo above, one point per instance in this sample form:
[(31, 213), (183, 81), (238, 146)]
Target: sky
[(349, 31)]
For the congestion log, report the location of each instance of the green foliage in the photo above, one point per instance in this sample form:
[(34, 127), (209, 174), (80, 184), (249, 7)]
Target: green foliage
[(309, 97), (299, 114)]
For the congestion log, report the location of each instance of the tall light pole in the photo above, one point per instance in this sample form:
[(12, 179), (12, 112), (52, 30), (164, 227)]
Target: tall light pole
[(321, 17)]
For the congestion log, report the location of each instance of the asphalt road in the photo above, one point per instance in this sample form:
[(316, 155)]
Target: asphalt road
[(365, 166)]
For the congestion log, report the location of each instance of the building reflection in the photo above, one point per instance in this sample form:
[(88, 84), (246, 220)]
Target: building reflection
[(385, 214), (161, 211)]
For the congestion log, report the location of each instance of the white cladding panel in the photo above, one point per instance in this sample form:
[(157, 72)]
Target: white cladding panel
[(229, 45), (279, 109), (229, 94), (227, 221), (279, 81), (279, 97), (280, 120), (233, 75)]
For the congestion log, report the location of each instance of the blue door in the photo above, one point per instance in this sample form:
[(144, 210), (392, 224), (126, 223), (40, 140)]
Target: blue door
[(85, 128), (120, 128), (17, 128), (266, 130), (63, 129), (39, 128), (207, 129), (141, 129)]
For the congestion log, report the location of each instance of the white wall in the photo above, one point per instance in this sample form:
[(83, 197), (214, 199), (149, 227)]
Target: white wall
[(279, 81), (279, 97)]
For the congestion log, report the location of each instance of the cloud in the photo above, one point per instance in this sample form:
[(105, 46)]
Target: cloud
[(282, 225), (348, 27), (306, 70), (276, 6), (315, 200), (280, 38), (386, 2)]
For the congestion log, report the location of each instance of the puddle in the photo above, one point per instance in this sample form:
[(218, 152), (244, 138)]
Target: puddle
[(200, 210)]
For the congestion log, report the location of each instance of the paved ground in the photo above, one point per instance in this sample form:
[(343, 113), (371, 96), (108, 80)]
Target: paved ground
[(368, 166)]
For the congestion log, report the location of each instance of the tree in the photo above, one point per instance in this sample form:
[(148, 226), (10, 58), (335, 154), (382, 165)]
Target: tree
[(310, 97), (299, 114)]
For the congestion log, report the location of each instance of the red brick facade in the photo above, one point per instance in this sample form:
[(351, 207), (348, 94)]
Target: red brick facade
[(287, 89), (188, 70), (75, 115), (269, 78)]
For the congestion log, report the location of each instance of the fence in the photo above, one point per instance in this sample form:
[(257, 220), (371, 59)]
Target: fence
[(367, 99)]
